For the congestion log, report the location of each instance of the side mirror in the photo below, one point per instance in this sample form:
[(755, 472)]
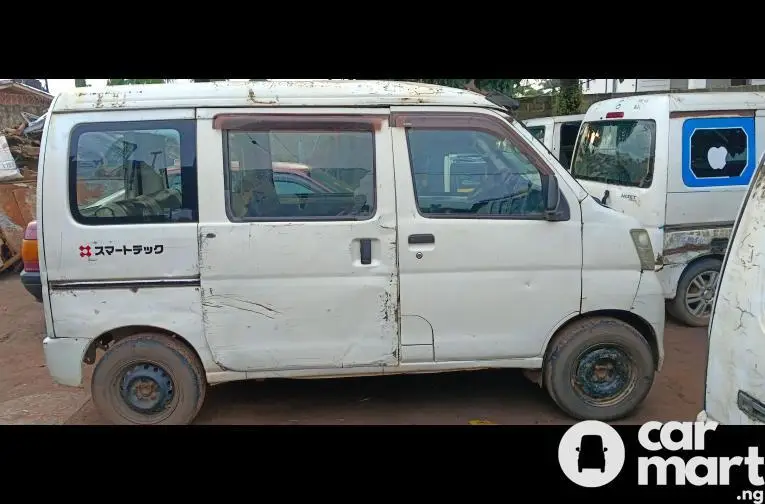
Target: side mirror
[(577, 448), (605, 449), (551, 195)]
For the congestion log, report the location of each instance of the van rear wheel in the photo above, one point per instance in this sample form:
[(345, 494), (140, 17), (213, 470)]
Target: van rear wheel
[(148, 379), (599, 369), (696, 293)]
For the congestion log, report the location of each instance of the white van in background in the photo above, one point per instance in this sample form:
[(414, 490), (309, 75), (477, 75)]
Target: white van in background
[(557, 133), (735, 383), (253, 230), (680, 163)]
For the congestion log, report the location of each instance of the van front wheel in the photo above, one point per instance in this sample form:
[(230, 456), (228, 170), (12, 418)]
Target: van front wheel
[(148, 379), (599, 369)]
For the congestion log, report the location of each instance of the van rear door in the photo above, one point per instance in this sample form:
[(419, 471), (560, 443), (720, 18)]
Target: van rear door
[(735, 381)]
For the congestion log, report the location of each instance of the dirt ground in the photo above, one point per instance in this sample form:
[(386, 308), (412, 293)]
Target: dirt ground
[(28, 395)]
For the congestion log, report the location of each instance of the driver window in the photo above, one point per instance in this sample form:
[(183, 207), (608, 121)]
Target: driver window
[(472, 173)]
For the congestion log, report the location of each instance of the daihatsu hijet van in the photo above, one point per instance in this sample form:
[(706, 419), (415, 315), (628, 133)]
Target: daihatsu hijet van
[(424, 230), (679, 163)]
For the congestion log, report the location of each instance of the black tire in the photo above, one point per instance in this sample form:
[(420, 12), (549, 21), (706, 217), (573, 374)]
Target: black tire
[(611, 338), (677, 306), (161, 358)]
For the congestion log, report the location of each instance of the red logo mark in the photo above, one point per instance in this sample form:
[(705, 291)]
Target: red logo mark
[(85, 251)]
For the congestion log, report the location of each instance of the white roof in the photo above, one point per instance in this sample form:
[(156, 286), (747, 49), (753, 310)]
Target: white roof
[(315, 93), (565, 118), (734, 100)]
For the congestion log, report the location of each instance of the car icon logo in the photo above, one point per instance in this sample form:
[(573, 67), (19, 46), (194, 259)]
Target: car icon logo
[(591, 453)]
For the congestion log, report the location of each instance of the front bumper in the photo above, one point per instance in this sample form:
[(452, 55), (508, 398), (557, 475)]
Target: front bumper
[(649, 304), (63, 356)]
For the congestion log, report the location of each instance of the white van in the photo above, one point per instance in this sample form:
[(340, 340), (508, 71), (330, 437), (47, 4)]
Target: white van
[(557, 133), (309, 229), (734, 380), (679, 163)]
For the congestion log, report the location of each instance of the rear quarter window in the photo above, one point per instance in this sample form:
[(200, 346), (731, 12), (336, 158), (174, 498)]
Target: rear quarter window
[(133, 172)]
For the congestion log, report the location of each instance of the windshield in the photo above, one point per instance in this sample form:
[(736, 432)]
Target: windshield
[(616, 152)]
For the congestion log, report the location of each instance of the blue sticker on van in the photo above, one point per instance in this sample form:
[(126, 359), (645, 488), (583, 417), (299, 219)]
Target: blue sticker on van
[(718, 152)]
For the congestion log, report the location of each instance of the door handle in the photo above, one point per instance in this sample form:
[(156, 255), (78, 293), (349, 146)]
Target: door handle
[(419, 239), (365, 246)]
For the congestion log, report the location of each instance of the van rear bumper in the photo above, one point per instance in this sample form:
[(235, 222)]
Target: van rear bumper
[(31, 282), (63, 356)]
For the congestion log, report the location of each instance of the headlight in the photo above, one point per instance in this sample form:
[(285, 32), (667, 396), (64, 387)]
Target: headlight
[(644, 249)]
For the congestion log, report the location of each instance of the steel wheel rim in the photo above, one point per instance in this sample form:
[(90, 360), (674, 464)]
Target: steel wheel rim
[(604, 375), (700, 294), (146, 389)]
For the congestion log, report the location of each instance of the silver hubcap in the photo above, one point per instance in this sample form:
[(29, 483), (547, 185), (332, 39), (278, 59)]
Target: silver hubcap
[(700, 294)]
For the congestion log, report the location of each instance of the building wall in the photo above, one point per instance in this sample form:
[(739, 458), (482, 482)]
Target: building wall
[(13, 102)]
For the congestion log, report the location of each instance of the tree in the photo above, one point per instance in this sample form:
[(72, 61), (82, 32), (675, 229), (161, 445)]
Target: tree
[(80, 83), (569, 97), (207, 80)]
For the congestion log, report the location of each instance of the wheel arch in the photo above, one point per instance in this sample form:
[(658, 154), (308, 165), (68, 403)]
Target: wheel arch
[(104, 340), (640, 324)]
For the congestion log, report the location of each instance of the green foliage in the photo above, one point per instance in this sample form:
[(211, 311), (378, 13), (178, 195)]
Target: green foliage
[(569, 98), (125, 82), (80, 83)]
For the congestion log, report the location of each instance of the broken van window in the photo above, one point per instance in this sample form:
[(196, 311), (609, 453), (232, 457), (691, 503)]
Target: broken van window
[(616, 152)]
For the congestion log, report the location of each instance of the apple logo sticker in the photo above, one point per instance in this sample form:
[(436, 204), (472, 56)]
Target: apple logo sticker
[(716, 157)]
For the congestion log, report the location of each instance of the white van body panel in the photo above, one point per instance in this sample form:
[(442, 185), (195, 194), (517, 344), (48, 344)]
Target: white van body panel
[(265, 285), (248, 296), (737, 329), (687, 220)]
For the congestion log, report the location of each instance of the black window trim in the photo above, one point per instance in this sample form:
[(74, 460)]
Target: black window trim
[(297, 124), (187, 131)]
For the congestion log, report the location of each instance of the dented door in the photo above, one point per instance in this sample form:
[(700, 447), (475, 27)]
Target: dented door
[(297, 239)]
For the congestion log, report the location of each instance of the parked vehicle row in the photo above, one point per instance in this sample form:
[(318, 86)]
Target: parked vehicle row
[(680, 164), (246, 230)]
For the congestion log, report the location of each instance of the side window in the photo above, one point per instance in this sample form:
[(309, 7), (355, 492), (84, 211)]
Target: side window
[(133, 172), (718, 151), (538, 132), (568, 134), (472, 173), (336, 171)]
